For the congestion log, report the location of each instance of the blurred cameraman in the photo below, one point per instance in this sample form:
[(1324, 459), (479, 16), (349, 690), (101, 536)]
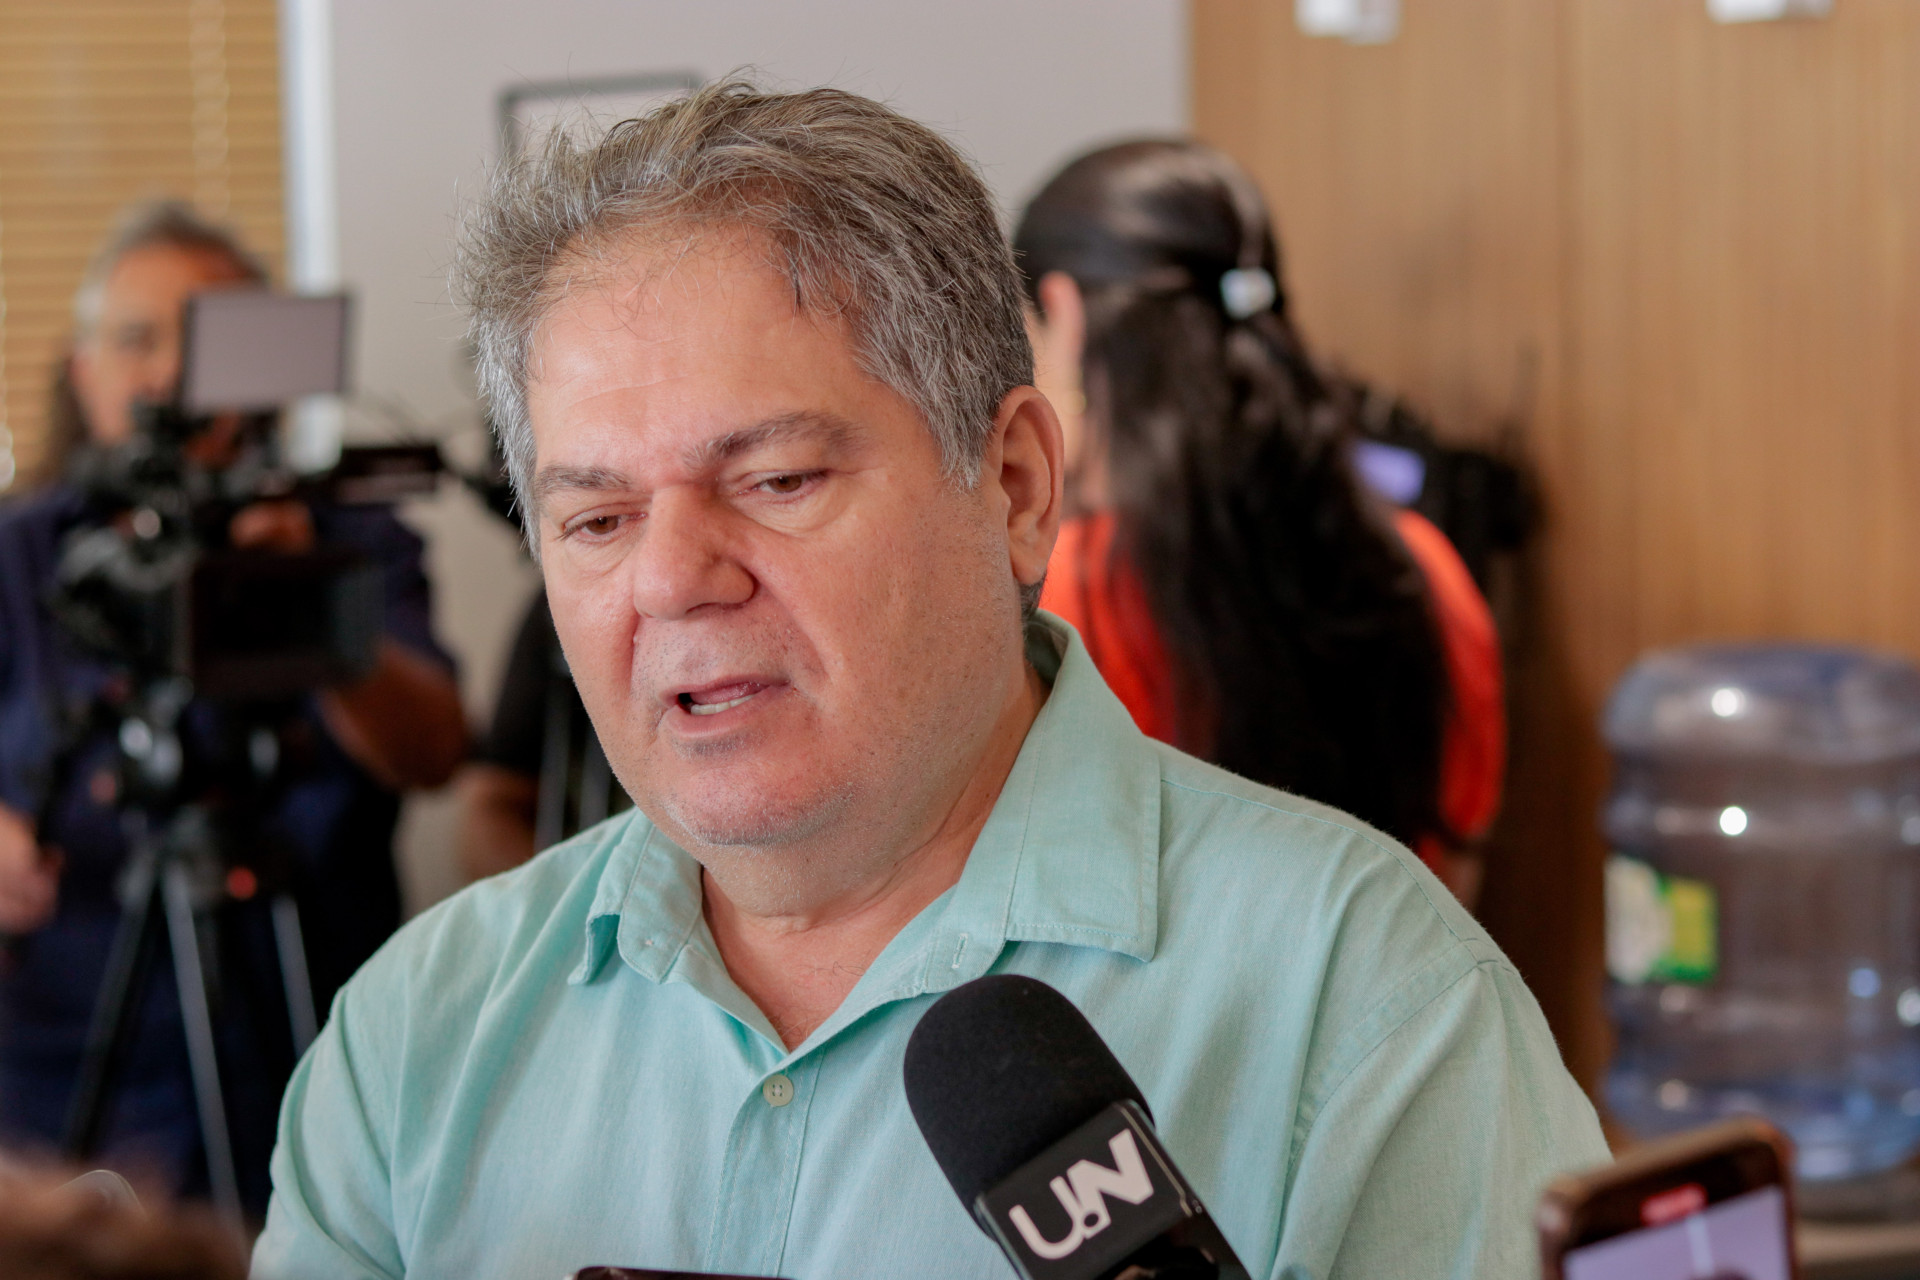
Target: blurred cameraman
[(356, 747)]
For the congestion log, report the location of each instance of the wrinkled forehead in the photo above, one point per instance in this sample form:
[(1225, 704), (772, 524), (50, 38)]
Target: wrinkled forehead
[(202, 263), (151, 281), (666, 286), (640, 263)]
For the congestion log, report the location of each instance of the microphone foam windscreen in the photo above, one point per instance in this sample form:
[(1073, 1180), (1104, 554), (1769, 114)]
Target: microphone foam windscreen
[(1000, 1069)]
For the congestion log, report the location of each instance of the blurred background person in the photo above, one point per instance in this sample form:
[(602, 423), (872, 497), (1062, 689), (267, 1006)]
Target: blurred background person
[(54, 1226), (1237, 586), (350, 751), (538, 774), (499, 789)]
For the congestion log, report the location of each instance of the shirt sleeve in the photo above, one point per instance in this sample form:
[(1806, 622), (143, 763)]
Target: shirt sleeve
[(30, 529), (1428, 1157), (331, 1217), (516, 736), (1473, 757), (1089, 586), (22, 728), (378, 534)]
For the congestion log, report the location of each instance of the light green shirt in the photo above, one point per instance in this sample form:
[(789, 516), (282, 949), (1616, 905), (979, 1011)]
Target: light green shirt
[(553, 1069)]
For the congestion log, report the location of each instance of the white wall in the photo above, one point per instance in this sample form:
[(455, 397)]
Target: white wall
[(1019, 84)]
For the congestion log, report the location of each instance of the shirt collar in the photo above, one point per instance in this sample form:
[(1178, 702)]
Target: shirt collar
[(1070, 855)]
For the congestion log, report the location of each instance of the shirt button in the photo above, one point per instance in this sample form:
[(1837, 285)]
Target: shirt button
[(778, 1090)]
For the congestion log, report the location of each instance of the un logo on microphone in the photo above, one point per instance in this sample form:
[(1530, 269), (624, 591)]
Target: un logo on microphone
[(1090, 1200)]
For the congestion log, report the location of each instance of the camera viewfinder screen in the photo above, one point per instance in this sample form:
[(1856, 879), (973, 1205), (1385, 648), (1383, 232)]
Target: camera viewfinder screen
[(1740, 1238), (250, 349)]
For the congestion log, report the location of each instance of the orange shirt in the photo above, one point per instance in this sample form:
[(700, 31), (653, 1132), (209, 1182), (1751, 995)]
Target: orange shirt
[(1107, 604)]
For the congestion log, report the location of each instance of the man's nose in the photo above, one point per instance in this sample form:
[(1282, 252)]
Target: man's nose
[(685, 559)]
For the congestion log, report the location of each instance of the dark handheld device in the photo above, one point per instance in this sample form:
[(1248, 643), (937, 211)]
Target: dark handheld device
[(1716, 1204), (643, 1273), (1048, 1142)]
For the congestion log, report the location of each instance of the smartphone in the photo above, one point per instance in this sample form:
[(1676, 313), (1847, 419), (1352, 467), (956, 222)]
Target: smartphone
[(1715, 1204), (643, 1273)]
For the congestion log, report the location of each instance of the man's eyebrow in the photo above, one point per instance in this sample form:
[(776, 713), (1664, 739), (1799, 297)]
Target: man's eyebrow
[(554, 480), (829, 428)]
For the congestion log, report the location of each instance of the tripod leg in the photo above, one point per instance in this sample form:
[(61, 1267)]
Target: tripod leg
[(116, 1012), (202, 1055), (293, 972)]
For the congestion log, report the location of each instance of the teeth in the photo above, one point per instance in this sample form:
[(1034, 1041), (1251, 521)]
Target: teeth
[(715, 708)]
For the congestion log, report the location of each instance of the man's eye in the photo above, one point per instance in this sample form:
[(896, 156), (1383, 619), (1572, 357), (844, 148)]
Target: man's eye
[(598, 526), (791, 483)]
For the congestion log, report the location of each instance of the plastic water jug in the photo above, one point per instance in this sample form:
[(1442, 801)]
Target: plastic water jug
[(1763, 897)]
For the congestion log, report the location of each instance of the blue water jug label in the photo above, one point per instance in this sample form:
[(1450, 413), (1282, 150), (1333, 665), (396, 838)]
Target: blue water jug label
[(1660, 928)]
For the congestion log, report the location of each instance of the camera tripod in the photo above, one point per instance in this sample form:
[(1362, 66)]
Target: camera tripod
[(174, 880)]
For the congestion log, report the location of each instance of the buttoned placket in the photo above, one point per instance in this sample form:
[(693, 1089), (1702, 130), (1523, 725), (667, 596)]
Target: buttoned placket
[(765, 1150), (766, 1145)]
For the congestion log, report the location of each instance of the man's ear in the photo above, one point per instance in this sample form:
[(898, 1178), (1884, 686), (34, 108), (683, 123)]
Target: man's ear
[(1025, 468)]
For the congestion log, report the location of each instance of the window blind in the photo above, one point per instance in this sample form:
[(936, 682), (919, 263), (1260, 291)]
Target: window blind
[(102, 103)]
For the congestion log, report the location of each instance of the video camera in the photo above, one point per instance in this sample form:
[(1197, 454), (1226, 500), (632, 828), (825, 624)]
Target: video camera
[(149, 581), (150, 585)]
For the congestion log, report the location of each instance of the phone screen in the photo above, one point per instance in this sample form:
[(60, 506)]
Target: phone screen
[(1744, 1237), (645, 1273)]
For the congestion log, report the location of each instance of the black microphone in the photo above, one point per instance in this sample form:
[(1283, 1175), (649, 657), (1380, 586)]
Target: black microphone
[(1049, 1143)]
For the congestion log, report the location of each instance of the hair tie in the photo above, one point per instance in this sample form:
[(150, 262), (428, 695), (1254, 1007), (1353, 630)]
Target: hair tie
[(1246, 291)]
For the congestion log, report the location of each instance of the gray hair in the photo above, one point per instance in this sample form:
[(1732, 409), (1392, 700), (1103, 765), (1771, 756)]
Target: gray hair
[(142, 226), (871, 216)]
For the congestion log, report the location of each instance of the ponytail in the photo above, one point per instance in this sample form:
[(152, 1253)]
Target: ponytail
[(1304, 651)]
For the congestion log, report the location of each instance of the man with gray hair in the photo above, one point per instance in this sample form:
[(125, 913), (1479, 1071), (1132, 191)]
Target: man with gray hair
[(760, 368), (347, 752)]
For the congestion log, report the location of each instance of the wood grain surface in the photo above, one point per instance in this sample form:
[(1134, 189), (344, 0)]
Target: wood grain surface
[(1671, 262)]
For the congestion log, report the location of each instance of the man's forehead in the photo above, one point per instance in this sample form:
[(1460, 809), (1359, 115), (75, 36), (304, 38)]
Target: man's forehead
[(190, 264), (644, 270), (649, 308), (687, 330), (149, 283)]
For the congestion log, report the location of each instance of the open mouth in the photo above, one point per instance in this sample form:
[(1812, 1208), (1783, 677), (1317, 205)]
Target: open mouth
[(712, 701)]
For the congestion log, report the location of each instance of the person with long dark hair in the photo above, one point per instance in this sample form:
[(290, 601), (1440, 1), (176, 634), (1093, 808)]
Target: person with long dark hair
[(1245, 596)]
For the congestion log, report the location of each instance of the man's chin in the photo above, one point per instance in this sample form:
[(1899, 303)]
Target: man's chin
[(737, 816)]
